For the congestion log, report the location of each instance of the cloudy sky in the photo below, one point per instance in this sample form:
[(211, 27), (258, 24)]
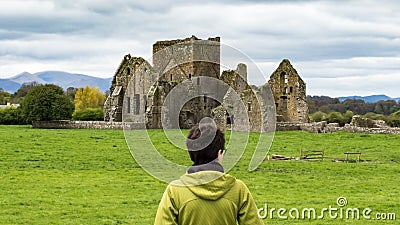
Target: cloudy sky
[(338, 47)]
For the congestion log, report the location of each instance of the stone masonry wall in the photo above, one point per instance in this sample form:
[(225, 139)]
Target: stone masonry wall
[(67, 124), (289, 91), (323, 127), (320, 127)]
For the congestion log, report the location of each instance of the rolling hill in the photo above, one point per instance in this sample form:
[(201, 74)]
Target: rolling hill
[(62, 79), (370, 98)]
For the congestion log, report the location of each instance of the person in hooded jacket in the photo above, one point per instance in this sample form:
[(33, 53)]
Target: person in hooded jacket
[(205, 195)]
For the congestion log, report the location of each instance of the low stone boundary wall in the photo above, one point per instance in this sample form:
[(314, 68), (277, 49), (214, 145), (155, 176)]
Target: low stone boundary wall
[(285, 126), (320, 127), (323, 127), (68, 124)]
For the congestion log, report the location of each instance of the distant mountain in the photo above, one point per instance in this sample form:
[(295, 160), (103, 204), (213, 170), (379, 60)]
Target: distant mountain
[(62, 79), (26, 77), (370, 98), (9, 86)]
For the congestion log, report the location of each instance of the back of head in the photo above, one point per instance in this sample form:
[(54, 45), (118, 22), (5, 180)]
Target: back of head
[(203, 143)]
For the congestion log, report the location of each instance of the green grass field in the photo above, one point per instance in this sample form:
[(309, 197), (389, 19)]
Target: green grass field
[(90, 177)]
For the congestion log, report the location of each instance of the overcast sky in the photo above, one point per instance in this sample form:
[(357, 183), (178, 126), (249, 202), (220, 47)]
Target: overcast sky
[(339, 48)]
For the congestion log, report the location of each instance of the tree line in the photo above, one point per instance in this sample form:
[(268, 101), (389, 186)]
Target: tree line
[(324, 108), (38, 102), (51, 102)]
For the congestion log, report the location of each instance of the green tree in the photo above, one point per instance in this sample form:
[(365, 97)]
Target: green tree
[(335, 117), (71, 91), (347, 116), (47, 102), (317, 117), (374, 116), (11, 115), (89, 98), (394, 109), (18, 96), (4, 96), (394, 119)]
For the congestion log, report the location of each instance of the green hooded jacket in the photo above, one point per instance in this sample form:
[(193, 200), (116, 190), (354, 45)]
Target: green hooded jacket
[(207, 198)]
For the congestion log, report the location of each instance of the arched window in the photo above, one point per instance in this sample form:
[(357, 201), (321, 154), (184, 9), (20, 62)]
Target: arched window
[(128, 108), (137, 104), (284, 78)]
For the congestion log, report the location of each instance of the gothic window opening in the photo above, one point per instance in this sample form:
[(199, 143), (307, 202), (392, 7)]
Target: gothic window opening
[(145, 103), (283, 78), (137, 103), (284, 102), (249, 106), (229, 118), (128, 107)]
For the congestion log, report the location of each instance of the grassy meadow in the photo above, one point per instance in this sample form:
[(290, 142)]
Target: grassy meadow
[(89, 177)]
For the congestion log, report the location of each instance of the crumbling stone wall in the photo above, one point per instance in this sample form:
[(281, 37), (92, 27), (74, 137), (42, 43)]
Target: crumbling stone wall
[(185, 60), (113, 105), (359, 121), (355, 127), (68, 124), (289, 92), (243, 113), (145, 87)]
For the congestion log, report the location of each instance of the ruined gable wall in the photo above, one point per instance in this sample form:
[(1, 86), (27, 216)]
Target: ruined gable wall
[(289, 92), (113, 105)]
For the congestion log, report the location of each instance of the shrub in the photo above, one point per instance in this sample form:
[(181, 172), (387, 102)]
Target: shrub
[(11, 115), (317, 117), (336, 117), (347, 116), (374, 116), (394, 119), (88, 114)]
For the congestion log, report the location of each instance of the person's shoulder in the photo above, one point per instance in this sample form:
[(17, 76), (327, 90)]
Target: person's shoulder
[(174, 187), (176, 183), (240, 184)]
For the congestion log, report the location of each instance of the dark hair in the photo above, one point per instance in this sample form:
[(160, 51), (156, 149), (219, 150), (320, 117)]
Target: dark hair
[(203, 143)]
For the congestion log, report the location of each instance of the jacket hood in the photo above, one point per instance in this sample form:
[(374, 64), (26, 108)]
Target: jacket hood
[(208, 184)]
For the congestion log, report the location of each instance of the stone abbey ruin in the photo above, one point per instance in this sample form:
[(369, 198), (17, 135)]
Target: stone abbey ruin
[(191, 66), (184, 80)]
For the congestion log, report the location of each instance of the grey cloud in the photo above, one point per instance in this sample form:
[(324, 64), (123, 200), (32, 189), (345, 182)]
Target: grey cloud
[(324, 38)]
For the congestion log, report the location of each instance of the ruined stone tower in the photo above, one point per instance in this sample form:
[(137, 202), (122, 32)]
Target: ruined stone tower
[(174, 61), (183, 60), (289, 92)]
